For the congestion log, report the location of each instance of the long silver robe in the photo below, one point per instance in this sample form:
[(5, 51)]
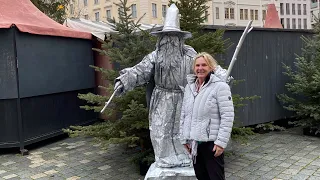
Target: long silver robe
[(169, 76)]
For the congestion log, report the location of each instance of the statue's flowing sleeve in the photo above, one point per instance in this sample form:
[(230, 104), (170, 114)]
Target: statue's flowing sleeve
[(138, 74)]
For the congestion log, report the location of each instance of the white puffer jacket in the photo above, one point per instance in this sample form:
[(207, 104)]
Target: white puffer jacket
[(209, 114)]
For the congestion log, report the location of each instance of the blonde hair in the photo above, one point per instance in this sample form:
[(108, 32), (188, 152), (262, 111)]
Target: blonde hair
[(212, 63)]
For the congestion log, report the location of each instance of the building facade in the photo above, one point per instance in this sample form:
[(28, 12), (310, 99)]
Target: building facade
[(220, 12), (295, 14), (239, 12), (314, 11), (153, 11)]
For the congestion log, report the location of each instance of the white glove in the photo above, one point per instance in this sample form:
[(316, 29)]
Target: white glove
[(230, 80), (118, 87)]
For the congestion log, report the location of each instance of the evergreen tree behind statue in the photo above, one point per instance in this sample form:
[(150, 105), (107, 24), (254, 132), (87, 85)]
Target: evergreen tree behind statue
[(193, 14), (55, 9), (304, 86)]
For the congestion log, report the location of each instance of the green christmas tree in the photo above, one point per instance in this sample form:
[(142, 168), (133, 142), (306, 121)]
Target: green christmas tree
[(192, 18), (55, 9), (303, 98), (192, 13)]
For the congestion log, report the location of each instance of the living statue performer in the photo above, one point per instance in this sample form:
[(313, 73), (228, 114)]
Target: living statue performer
[(167, 67)]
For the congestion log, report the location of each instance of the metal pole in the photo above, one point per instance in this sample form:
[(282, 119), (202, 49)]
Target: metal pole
[(20, 121), (234, 57)]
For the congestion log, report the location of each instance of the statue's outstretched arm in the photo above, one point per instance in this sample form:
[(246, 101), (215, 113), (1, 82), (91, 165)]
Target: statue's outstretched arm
[(137, 75)]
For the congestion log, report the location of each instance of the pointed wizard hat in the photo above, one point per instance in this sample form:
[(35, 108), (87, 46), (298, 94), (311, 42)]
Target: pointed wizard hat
[(172, 23)]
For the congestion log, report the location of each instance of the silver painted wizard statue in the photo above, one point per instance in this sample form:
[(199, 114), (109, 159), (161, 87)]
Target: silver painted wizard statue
[(167, 67)]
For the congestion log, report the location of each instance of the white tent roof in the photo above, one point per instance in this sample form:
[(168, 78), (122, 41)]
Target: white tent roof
[(98, 29)]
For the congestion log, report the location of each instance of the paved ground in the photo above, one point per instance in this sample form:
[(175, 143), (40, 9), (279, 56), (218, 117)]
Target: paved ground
[(277, 155)]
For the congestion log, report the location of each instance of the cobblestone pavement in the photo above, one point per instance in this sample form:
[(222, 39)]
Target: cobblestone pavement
[(276, 155)]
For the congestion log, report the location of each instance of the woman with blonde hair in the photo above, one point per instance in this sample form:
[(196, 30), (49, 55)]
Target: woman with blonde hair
[(207, 117)]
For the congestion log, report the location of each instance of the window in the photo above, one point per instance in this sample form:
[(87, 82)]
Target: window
[(305, 24), (217, 13), (86, 16), (246, 14), (288, 23), (96, 1), (299, 23), (293, 9), (299, 9), (241, 14), (251, 14), (206, 14), (231, 13), (304, 9), (287, 8), (164, 10), (294, 23), (96, 15), (226, 13), (311, 13), (154, 10), (256, 14), (108, 12), (282, 22), (85, 2), (281, 9), (264, 13), (134, 10), (71, 9)]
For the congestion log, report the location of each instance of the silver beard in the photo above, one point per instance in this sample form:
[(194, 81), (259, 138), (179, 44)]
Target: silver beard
[(170, 50)]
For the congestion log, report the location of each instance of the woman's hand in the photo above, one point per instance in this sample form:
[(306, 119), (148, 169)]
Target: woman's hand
[(218, 150)]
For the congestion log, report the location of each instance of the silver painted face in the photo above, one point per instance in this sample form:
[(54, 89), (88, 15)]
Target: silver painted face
[(170, 40)]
